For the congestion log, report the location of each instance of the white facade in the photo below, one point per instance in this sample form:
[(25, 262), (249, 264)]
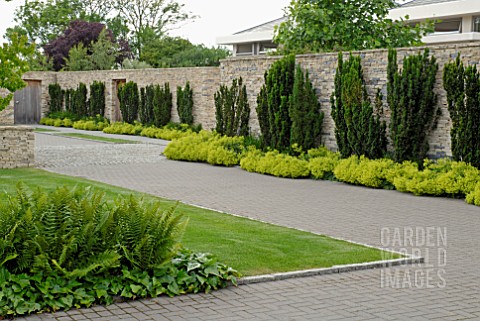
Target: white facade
[(459, 20), (254, 41)]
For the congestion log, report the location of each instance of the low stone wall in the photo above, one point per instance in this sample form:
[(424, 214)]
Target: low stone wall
[(6, 115), (17, 146)]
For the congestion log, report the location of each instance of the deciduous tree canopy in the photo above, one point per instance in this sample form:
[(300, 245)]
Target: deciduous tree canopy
[(321, 25), (13, 63)]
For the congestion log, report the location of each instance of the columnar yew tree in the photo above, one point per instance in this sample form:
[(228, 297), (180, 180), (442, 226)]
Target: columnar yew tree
[(463, 99), (146, 108), (56, 98), (185, 104), (287, 108), (358, 129), (162, 105), (79, 100), (273, 104), (146, 113), (141, 106), (96, 103), (68, 94), (413, 104), (129, 101), (232, 110), (305, 112)]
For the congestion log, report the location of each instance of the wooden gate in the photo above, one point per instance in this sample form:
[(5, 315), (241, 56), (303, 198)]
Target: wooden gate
[(27, 108)]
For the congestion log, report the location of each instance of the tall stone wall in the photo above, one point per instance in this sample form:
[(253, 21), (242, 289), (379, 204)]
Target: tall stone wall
[(203, 80), (17, 146), (321, 67)]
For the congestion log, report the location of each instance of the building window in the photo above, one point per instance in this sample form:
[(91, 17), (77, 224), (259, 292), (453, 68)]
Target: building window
[(448, 26), (476, 24), (267, 47), (244, 49)]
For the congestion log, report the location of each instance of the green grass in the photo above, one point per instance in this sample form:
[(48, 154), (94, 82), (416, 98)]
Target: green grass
[(249, 246), (44, 130), (99, 138)]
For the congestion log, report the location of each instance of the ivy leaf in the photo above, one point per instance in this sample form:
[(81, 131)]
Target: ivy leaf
[(173, 288), (135, 288)]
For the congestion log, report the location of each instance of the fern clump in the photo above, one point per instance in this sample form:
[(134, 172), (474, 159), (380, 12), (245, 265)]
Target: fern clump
[(71, 248), (76, 232)]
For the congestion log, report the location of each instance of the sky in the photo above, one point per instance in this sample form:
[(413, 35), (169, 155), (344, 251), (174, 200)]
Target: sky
[(217, 17)]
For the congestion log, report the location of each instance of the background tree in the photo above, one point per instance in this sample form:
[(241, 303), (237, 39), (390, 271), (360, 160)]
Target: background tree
[(158, 51), (198, 56), (44, 21), (158, 15), (13, 64), (78, 59), (169, 52), (134, 64), (103, 52), (319, 25), (87, 34)]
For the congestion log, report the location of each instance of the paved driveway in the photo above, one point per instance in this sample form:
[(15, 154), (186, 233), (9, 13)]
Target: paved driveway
[(444, 231)]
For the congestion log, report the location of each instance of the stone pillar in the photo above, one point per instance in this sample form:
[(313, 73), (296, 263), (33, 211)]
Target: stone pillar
[(17, 147)]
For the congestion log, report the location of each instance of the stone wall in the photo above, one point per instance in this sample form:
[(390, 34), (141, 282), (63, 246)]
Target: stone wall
[(6, 115), (203, 80), (322, 68), (206, 81), (17, 146)]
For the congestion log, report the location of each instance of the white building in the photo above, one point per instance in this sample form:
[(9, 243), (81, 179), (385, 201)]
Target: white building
[(459, 21), (254, 41)]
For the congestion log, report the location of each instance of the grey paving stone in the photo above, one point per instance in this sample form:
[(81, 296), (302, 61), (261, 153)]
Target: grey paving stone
[(335, 209)]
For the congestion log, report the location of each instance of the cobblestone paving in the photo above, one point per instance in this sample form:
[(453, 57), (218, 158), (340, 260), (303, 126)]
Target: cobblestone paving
[(54, 151), (432, 291)]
